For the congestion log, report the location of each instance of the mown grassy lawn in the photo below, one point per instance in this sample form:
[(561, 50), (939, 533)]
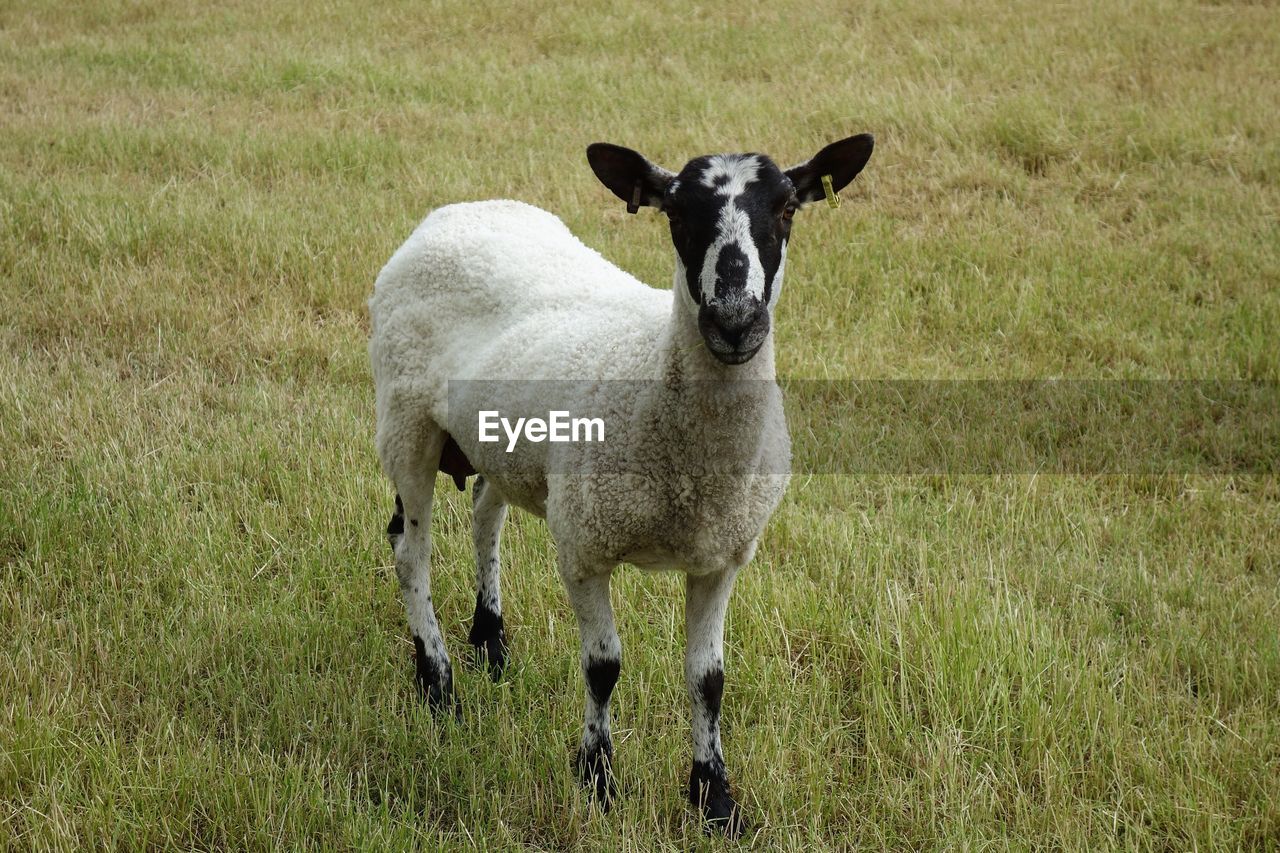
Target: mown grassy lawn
[(202, 640)]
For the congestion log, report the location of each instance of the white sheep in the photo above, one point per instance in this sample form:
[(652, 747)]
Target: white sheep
[(695, 454)]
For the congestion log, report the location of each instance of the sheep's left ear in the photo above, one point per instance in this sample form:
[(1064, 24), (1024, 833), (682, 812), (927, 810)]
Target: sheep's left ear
[(841, 160), (628, 175)]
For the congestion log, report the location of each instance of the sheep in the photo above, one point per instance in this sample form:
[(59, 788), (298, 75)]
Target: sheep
[(696, 455)]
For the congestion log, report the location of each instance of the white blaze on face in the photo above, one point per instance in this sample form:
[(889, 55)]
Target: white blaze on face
[(730, 177), (777, 276)]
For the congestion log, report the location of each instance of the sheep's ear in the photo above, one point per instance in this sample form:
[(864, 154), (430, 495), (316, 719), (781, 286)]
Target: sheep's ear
[(628, 175), (841, 160)]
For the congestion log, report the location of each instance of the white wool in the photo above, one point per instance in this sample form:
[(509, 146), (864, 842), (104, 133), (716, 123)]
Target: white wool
[(502, 290)]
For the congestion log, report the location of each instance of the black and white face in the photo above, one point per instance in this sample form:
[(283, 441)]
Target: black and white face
[(730, 217)]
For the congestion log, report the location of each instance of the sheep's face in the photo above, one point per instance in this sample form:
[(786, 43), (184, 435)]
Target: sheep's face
[(730, 218)]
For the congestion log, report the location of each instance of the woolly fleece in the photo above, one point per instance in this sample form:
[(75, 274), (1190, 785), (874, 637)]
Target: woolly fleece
[(694, 460)]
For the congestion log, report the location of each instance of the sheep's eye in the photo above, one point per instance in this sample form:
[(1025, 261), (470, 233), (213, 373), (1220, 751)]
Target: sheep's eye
[(787, 212)]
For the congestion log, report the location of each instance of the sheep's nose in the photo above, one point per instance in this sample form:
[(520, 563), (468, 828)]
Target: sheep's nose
[(734, 315), (734, 327), (733, 319)]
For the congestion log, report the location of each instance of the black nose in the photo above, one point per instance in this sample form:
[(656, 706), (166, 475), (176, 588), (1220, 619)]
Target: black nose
[(733, 319), (734, 326)]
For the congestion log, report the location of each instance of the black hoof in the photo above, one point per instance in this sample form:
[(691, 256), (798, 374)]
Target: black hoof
[(489, 638), (492, 655), (435, 684), (724, 815), (443, 702), (595, 773), (709, 792)]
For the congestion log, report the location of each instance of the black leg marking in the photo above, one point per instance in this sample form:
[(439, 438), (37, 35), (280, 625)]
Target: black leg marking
[(395, 527), (709, 792), (712, 689), (708, 780), (602, 675), (435, 683), (595, 756), (489, 638), (595, 772)]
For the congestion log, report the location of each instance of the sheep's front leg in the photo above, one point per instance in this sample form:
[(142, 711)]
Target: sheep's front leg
[(706, 598), (488, 636), (601, 663)]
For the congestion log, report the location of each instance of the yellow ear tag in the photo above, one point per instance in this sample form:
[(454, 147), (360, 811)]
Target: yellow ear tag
[(833, 198)]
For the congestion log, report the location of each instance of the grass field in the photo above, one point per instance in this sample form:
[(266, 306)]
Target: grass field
[(203, 644)]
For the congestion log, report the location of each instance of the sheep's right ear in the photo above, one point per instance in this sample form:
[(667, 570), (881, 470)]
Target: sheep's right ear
[(628, 175)]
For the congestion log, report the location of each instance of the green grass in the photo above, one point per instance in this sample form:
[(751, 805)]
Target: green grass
[(203, 643)]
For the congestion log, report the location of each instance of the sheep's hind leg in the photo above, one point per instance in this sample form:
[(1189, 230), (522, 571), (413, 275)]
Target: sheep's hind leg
[(488, 636), (413, 471), (601, 662), (706, 598)]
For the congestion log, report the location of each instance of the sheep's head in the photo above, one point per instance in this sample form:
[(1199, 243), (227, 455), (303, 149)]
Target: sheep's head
[(730, 217)]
